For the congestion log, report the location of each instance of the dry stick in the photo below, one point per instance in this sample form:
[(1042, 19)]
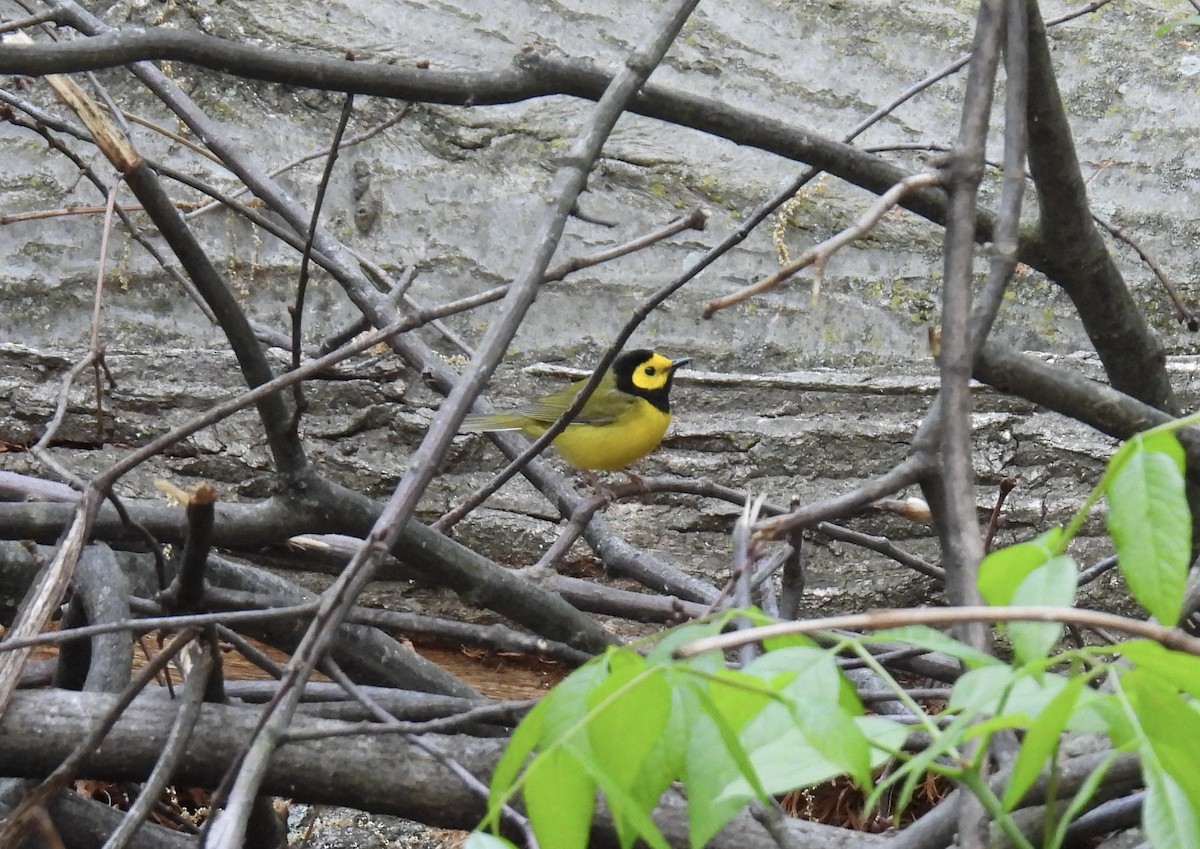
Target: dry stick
[(1007, 485), (94, 354), (45, 122), (1183, 313), (354, 327), (31, 21), (497, 637), (813, 516), (502, 713), (64, 212), (1085, 9), (229, 830), (178, 138), (878, 620), (286, 450), (533, 76), (954, 489), (187, 591), (509, 814), (250, 651), (694, 220), (44, 595), (12, 828), (297, 309), (412, 350), (958, 525), (154, 623), (366, 135), (818, 255), (910, 470), (174, 749), (365, 296), (771, 816), (53, 580), (288, 454), (881, 545), (1006, 236), (238, 402), (746, 553)]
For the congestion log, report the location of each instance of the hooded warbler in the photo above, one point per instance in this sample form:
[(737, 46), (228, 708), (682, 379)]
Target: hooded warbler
[(622, 421)]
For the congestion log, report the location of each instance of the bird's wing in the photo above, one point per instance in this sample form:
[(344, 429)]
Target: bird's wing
[(605, 405)]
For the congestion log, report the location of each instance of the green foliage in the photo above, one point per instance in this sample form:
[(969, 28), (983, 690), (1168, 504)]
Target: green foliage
[(630, 724), (1190, 21), (1150, 523)]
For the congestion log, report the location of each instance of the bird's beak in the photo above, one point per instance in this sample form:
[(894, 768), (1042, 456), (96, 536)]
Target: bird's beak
[(682, 361)]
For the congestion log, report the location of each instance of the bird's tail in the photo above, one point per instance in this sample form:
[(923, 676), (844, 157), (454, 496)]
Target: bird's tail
[(492, 422)]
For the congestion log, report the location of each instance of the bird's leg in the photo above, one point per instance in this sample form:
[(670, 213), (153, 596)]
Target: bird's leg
[(636, 480), (634, 486)]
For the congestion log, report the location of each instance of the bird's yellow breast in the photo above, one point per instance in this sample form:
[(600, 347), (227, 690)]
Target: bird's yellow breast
[(612, 446)]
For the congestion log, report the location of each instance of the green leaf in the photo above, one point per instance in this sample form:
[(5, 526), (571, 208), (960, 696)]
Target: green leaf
[(914, 769), (1079, 801), (560, 796), (715, 755), (566, 703), (1002, 571), (520, 745), (1166, 442), (1125, 735), (552, 719), (1002, 690), (1171, 727), (980, 690), (1190, 21), (822, 704), (1151, 528), (1052, 584), (787, 641), (811, 670), (635, 816), (1168, 819), (631, 705), (480, 840), (692, 631), (924, 637), (831, 731), (785, 760), (665, 762), (1179, 668), (1093, 715), (1041, 742)]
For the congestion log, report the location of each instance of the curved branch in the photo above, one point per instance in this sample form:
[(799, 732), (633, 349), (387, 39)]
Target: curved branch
[(533, 75), (380, 773), (1077, 257)]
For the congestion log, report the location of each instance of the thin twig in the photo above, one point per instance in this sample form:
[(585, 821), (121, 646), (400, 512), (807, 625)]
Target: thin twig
[(1183, 312), (229, 829), (174, 749), (818, 255), (12, 828), (1172, 638)]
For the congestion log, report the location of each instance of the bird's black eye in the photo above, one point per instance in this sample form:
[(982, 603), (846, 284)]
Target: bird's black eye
[(649, 370)]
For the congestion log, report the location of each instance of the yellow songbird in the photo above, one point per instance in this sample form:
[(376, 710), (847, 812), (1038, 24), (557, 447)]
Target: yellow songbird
[(622, 421)]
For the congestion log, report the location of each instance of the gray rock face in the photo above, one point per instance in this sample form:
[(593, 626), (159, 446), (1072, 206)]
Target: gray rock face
[(455, 191)]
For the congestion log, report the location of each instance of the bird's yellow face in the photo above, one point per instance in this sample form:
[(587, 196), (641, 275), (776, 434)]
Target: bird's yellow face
[(652, 374)]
